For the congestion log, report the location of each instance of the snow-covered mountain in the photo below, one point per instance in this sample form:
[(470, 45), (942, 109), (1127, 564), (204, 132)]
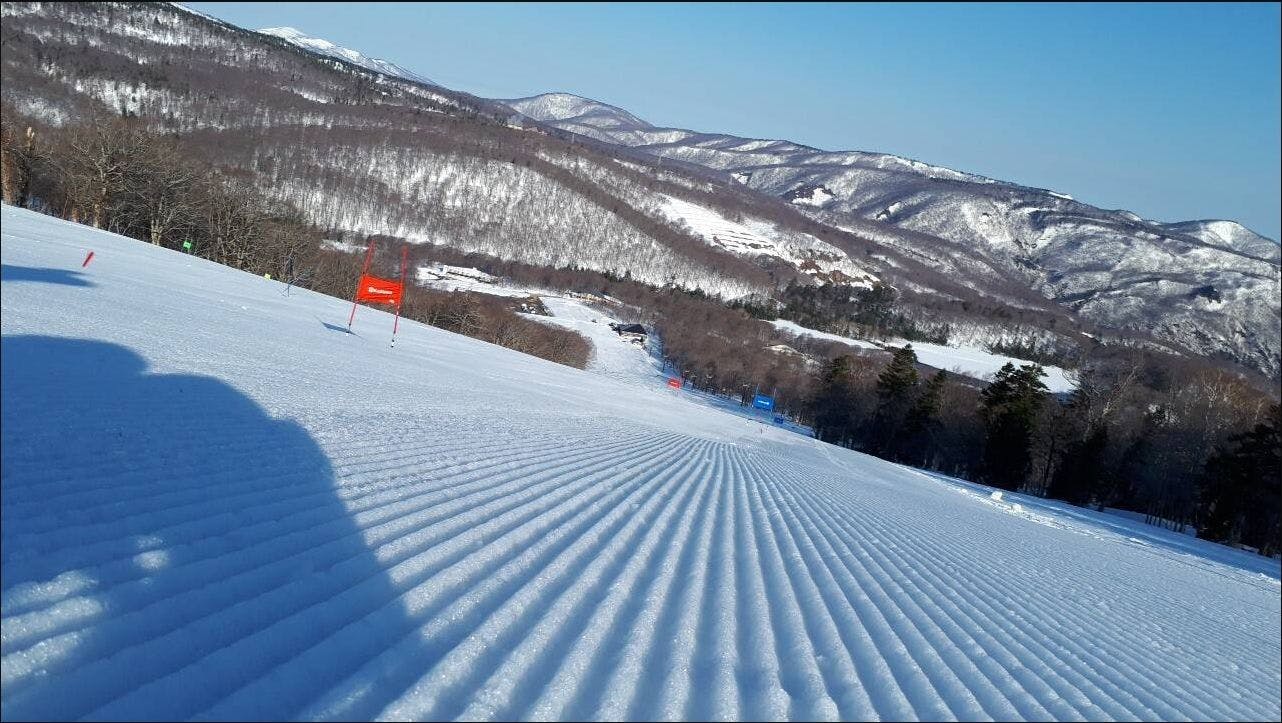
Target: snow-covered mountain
[(1210, 286), (364, 147), (584, 116), (216, 506), (1229, 235), (325, 47)]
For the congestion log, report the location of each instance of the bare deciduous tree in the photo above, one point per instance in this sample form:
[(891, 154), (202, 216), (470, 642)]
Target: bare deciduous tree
[(100, 160), (160, 191)]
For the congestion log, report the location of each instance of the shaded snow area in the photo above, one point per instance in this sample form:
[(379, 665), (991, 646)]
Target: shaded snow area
[(219, 504), (965, 360)]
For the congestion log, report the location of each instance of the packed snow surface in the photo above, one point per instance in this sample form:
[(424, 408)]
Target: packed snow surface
[(219, 504), (793, 327)]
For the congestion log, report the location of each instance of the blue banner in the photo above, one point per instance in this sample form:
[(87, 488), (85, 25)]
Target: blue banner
[(761, 401)]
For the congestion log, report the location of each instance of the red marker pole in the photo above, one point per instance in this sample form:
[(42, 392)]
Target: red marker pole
[(401, 296), (369, 252), (87, 260)]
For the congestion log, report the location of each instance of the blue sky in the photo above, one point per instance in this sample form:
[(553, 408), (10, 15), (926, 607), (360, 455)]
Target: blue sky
[(1171, 111)]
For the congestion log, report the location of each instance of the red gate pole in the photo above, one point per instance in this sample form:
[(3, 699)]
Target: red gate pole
[(365, 269), (401, 297)]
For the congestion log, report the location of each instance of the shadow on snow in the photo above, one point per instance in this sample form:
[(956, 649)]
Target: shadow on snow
[(42, 275), (185, 543), (338, 327)]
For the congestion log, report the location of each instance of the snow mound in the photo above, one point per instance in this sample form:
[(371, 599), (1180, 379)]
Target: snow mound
[(219, 504)]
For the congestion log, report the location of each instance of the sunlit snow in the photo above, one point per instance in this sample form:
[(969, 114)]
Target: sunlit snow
[(219, 504)]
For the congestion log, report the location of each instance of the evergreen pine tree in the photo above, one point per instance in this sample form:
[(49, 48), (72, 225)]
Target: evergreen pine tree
[(833, 401), (1009, 409), (922, 419), (897, 380), (1239, 493), (1081, 473), (895, 390)]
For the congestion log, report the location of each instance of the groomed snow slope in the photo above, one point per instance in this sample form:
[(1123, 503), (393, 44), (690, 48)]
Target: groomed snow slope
[(612, 356), (217, 504)]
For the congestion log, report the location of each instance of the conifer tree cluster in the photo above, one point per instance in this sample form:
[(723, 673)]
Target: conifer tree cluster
[(834, 402), (1125, 438), (896, 393), (1241, 487), (902, 424), (1009, 408)]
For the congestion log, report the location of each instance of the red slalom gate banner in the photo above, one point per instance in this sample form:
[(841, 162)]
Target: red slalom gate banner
[(674, 383), (380, 291)]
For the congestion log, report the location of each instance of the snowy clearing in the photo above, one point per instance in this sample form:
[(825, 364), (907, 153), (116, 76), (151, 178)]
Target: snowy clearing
[(219, 504), (443, 277), (752, 238), (735, 237), (794, 328), (965, 360), (817, 197)]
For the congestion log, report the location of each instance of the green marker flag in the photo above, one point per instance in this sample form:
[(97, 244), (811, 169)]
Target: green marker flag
[(186, 246)]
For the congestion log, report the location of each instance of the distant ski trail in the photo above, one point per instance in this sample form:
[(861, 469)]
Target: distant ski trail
[(197, 527)]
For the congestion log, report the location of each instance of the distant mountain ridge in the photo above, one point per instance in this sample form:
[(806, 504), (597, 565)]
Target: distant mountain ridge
[(325, 47), (1208, 285), (613, 124), (364, 146)]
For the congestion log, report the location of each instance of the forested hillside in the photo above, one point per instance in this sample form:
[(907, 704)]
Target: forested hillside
[(360, 153), (1209, 286)]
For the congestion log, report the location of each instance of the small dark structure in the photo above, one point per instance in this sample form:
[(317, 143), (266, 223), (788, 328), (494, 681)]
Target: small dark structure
[(634, 333)]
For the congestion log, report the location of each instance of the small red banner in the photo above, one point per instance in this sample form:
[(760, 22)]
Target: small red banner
[(379, 291), (674, 383)]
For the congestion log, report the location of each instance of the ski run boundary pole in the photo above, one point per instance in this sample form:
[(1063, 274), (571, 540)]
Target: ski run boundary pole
[(369, 252), (401, 296)]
